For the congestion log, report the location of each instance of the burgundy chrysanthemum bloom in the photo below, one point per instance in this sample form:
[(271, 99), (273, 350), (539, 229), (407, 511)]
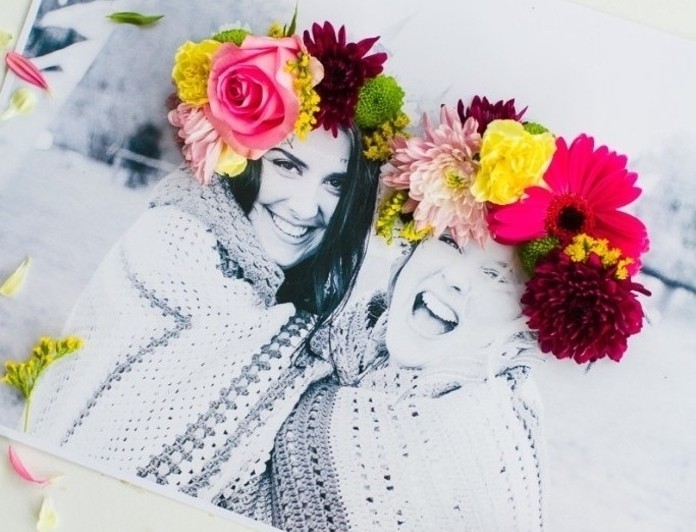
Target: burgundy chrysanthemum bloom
[(580, 310), (346, 68), (485, 112)]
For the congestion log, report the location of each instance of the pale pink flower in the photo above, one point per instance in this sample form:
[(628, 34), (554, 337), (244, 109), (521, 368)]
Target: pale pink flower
[(201, 143), (438, 170)]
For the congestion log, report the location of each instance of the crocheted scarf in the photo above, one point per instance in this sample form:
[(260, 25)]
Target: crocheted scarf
[(379, 447), (189, 366)]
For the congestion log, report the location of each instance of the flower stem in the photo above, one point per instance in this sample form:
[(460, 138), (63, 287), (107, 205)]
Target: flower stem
[(26, 414)]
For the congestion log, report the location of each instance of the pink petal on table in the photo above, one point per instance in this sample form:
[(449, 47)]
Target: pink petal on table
[(22, 471), (25, 69)]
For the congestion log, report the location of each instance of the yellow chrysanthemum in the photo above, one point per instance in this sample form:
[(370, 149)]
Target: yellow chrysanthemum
[(304, 89), (511, 160), (192, 69), (230, 163), (582, 245)]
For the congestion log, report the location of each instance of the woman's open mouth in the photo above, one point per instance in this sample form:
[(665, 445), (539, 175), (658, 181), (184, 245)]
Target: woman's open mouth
[(291, 230), (433, 316)]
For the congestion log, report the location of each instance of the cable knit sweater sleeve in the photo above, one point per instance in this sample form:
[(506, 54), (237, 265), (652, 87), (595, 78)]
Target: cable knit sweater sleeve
[(189, 365)]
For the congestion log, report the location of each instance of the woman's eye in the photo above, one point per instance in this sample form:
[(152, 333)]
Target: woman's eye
[(334, 184), (447, 239), (495, 275), (287, 166)]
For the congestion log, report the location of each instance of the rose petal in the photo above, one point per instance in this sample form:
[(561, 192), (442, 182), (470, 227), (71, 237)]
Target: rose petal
[(22, 471), (5, 39), (22, 102), (48, 517), (25, 69), (16, 279)]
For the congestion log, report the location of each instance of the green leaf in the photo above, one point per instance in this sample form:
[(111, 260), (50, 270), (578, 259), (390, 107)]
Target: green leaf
[(130, 17), (290, 30)]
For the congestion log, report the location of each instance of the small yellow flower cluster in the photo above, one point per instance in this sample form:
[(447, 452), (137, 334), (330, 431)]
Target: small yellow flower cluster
[(581, 247), (389, 217), (192, 69), (276, 31), (23, 375), (304, 88), (511, 160), (376, 144)]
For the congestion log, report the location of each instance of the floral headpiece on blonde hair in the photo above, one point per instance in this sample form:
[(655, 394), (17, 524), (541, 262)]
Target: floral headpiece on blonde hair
[(482, 172), (239, 94)]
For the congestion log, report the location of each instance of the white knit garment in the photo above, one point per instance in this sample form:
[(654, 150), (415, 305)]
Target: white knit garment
[(189, 366), (391, 452)]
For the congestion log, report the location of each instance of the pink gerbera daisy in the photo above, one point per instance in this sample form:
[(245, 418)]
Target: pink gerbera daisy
[(585, 188), (438, 170)]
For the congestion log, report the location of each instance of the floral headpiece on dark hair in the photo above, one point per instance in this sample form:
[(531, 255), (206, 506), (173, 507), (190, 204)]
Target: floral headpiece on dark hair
[(241, 94), (484, 172)]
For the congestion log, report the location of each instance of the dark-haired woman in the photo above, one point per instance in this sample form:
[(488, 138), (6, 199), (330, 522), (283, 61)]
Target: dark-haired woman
[(194, 322)]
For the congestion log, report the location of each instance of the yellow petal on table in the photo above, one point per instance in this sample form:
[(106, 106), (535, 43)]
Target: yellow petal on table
[(22, 102), (15, 280), (48, 517), (5, 39)]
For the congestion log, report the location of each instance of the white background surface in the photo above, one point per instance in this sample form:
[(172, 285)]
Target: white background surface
[(89, 501)]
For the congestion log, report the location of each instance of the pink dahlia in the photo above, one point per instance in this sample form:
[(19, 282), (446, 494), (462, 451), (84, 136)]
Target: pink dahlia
[(580, 310), (201, 143), (485, 112), (346, 68), (584, 190), (438, 170)]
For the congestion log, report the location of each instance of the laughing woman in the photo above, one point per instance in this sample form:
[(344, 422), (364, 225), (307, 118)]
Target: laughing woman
[(429, 423), (195, 322)]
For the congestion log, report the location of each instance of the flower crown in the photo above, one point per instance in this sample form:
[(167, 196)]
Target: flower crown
[(239, 94), (483, 171)]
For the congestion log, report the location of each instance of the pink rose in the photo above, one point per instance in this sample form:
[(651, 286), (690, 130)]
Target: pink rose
[(252, 102)]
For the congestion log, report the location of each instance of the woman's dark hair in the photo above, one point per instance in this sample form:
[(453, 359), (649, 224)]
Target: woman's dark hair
[(322, 281)]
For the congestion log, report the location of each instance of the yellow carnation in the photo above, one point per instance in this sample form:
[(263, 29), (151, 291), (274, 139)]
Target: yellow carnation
[(511, 160), (191, 70), (230, 163)]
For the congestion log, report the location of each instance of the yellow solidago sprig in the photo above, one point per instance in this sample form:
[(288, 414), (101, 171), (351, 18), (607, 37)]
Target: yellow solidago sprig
[(377, 143), (390, 220), (512, 159), (304, 81), (583, 245), (24, 375), (192, 69)]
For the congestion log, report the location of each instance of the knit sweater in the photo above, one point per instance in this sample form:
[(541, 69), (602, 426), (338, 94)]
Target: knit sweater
[(189, 365), (387, 448)]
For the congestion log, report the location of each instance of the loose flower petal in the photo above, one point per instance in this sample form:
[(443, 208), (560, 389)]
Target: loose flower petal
[(48, 517), (5, 39), (25, 69), (16, 279), (137, 19), (22, 471), (22, 102)]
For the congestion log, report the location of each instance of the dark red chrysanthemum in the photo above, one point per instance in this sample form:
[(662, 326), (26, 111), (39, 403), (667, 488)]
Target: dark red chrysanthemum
[(580, 310), (346, 68), (485, 112)]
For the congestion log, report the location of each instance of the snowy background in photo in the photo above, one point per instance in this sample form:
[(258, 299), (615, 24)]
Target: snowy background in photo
[(78, 171)]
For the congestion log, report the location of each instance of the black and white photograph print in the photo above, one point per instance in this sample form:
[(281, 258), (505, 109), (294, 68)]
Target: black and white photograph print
[(250, 344)]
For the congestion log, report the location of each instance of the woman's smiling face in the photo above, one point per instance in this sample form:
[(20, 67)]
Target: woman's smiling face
[(300, 187), (448, 301)]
